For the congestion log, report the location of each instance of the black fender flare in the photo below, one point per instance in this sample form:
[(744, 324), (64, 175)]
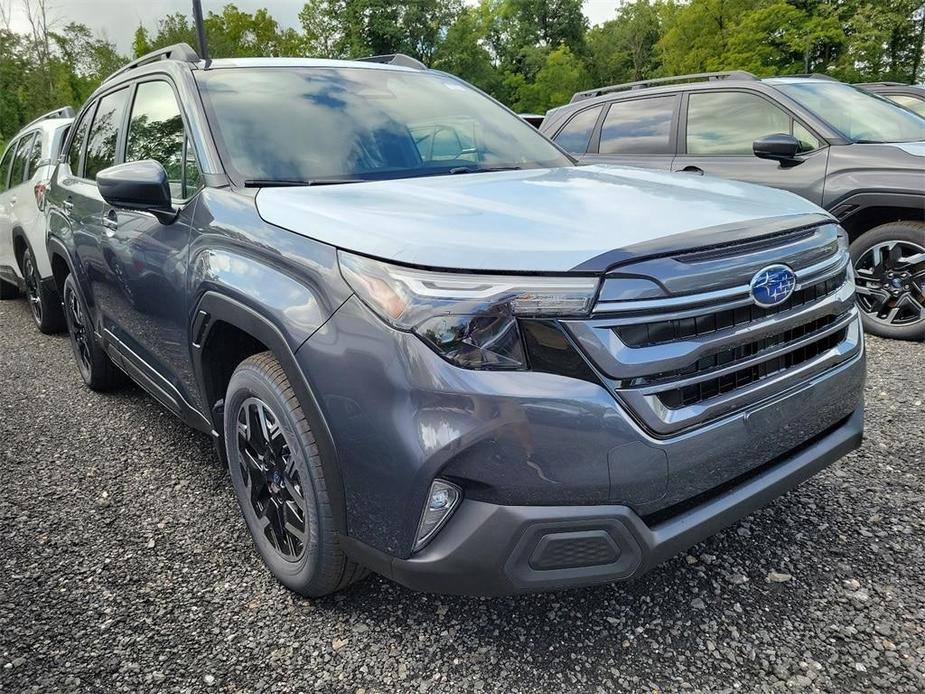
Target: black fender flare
[(849, 205), (215, 307)]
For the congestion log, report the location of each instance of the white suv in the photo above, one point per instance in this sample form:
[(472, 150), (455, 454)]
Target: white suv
[(25, 171)]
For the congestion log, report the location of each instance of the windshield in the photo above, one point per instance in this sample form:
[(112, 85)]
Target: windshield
[(342, 124), (857, 114)]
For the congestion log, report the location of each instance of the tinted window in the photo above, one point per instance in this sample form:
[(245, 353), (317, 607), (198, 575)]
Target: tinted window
[(316, 123), (859, 115), (155, 131), (77, 144), (638, 127), (104, 134), (18, 174), (576, 134), (192, 179), (729, 122), (5, 165), (35, 155), (913, 103)]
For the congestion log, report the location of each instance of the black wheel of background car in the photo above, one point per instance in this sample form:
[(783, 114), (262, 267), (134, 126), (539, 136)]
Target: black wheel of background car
[(45, 305), (95, 367), (279, 482), (8, 291), (889, 268)]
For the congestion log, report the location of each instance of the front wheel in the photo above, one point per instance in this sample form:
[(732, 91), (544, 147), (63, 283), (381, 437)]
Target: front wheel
[(45, 305), (889, 268), (279, 482)]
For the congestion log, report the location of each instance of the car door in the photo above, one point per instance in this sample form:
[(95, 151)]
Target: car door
[(146, 308), (7, 261), (718, 128), (637, 132)]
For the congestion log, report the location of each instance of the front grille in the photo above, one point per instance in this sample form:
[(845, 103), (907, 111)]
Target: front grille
[(661, 332), (704, 390), (686, 359)]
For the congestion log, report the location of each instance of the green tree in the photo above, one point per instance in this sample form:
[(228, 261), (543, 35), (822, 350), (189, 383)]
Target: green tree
[(624, 49), (463, 52), (562, 75)]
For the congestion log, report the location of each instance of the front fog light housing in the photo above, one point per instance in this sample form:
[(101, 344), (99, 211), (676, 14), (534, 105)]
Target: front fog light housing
[(442, 500)]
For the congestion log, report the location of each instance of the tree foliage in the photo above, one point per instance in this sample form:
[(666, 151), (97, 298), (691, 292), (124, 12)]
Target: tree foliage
[(530, 54)]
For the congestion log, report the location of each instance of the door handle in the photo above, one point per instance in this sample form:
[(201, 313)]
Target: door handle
[(110, 222), (12, 201), (690, 169), (68, 205)]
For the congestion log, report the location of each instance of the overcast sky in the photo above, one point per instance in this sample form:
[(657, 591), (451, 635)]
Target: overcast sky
[(117, 19)]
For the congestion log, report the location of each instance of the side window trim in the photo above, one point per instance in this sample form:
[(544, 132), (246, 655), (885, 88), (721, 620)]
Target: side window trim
[(37, 137), (682, 121), (163, 77), (594, 147)]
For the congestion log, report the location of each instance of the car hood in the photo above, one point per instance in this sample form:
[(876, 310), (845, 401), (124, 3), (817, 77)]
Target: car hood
[(584, 218)]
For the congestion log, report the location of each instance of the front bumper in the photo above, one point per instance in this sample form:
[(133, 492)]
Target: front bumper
[(492, 549)]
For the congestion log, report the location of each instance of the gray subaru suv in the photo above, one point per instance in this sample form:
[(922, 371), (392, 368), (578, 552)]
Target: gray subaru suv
[(856, 154), (426, 342)]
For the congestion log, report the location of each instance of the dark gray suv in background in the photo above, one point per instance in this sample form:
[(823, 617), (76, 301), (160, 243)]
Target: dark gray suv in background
[(426, 342), (853, 153)]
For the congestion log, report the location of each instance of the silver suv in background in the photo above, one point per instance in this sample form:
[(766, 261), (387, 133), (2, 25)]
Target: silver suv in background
[(858, 155), (911, 96), (25, 170)]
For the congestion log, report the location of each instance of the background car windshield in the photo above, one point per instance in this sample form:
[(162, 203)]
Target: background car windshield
[(322, 123), (858, 115)]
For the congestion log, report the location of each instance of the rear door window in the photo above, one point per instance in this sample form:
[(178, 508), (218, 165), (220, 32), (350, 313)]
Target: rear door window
[(35, 156), (913, 103), (77, 144), (18, 173), (641, 126), (104, 133), (576, 134)]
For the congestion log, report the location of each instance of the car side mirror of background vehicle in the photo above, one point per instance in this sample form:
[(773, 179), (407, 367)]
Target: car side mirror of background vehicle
[(138, 185), (778, 147)]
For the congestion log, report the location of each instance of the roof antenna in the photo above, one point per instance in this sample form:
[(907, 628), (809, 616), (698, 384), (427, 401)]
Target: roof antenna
[(200, 30)]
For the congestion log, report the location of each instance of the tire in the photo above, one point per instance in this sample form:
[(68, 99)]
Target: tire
[(46, 306), (889, 268), (278, 478), (8, 291), (95, 366)]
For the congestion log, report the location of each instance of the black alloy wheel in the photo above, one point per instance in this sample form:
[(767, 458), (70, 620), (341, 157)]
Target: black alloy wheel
[(889, 273), (33, 287), (272, 480), (78, 330)]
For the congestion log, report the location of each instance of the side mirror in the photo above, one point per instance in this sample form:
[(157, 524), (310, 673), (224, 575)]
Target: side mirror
[(138, 185), (778, 147)]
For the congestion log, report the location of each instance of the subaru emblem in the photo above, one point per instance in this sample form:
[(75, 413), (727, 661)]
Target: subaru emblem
[(773, 285)]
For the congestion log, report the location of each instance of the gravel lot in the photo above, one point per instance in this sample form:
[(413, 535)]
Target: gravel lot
[(125, 567)]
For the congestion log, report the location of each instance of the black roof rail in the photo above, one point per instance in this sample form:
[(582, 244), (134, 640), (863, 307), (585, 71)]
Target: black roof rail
[(642, 84), (395, 59), (63, 112), (178, 51), (882, 84)]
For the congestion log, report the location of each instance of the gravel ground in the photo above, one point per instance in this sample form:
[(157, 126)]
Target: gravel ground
[(125, 567)]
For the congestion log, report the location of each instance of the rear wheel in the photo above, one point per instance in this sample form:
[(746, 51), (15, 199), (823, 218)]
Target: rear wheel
[(279, 482), (889, 268), (45, 304), (95, 366)]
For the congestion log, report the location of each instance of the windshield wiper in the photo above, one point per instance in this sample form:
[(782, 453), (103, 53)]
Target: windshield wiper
[(482, 169), (284, 182)]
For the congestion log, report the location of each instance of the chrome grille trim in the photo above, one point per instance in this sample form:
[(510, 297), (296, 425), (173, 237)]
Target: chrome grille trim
[(733, 295), (726, 363)]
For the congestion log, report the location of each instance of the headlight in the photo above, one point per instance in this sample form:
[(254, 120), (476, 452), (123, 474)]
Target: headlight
[(468, 319), (843, 242)]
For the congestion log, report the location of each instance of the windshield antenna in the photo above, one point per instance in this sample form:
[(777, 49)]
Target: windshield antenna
[(200, 30)]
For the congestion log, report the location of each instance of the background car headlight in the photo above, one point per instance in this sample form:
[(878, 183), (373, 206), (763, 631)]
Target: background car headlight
[(469, 319)]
